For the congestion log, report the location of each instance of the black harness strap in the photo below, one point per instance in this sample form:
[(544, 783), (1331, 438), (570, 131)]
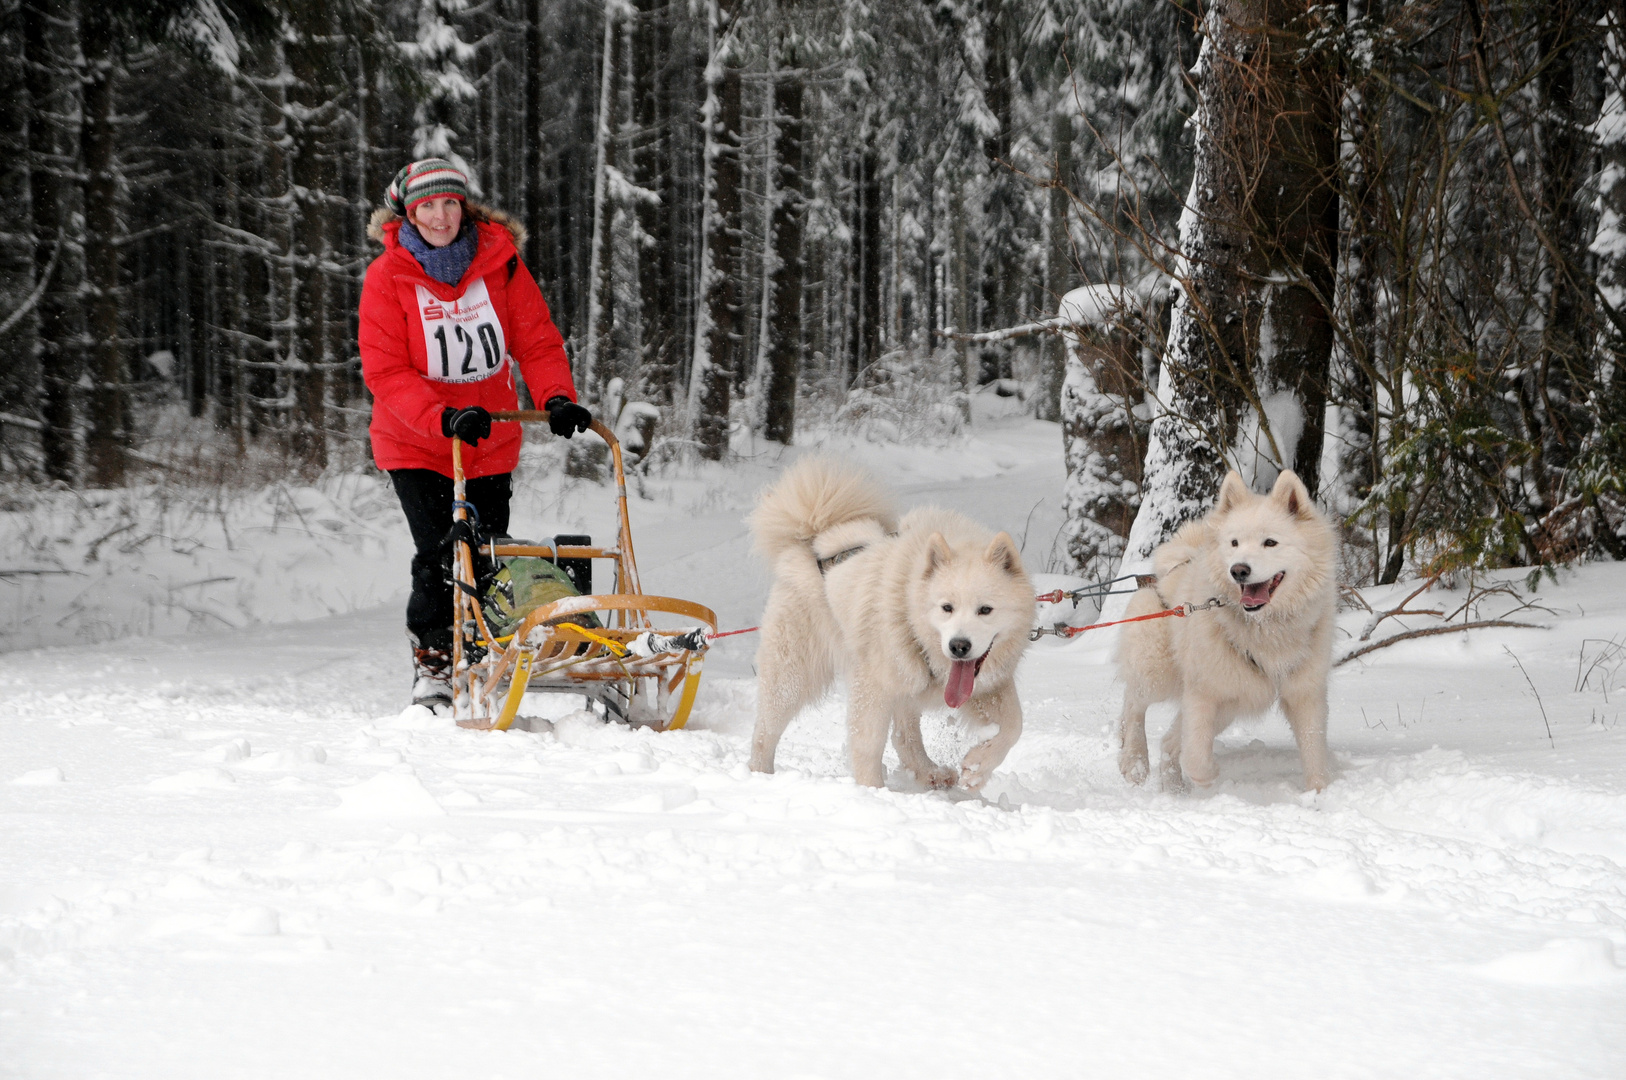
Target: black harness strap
[(838, 558)]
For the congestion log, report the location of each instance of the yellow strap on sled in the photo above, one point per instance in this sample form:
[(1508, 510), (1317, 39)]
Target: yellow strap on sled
[(615, 647)]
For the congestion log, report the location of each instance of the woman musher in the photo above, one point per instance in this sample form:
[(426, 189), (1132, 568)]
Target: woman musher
[(442, 312)]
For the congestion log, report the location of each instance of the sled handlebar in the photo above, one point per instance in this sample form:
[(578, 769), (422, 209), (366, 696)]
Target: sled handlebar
[(540, 416)]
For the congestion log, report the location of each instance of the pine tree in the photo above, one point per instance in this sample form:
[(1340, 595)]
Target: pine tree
[(52, 86), (716, 356), (785, 318), (440, 56)]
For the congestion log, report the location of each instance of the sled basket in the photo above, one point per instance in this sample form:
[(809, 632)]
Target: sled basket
[(636, 657)]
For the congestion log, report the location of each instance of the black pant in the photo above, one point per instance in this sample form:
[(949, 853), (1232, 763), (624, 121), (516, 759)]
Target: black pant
[(426, 497)]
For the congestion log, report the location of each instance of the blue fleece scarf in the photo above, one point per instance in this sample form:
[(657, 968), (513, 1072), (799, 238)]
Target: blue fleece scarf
[(447, 264)]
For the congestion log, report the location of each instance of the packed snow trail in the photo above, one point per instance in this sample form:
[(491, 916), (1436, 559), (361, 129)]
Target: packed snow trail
[(235, 855)]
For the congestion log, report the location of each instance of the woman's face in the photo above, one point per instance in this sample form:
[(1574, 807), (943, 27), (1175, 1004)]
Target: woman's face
[(438, 220)]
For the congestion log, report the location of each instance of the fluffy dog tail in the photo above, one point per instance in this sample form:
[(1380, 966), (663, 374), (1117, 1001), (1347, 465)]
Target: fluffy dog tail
[(816, 494)]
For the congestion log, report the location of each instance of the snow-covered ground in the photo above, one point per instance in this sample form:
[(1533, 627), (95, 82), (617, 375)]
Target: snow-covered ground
[(229, 853)]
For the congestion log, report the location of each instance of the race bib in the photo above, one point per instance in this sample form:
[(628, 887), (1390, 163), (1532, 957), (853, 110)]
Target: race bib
[(462, 337)]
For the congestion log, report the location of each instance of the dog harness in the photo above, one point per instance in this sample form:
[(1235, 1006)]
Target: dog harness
[(838, 558)]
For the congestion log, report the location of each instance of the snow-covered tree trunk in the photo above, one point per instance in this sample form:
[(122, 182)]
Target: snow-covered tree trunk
[(1197, 403), (276, 277), (717, 337), (1554, 387), (1601, 463), (1353, 441), (599, 295), (108, 435), (1609, 243), (1053, 359), (311, 112), (870, 254), (1244, 371), (785, 314), (231, 306), (960, 299), (52, 150), (1104, 436), (999, 251), (534, 94), (652, 169)]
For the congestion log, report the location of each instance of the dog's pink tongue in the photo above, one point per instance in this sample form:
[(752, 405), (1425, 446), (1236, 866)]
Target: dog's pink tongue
[(961, 678), (1256, 593)]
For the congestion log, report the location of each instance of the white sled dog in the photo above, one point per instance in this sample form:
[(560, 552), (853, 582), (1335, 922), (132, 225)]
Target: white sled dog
[(1270, 560), (915, 612)]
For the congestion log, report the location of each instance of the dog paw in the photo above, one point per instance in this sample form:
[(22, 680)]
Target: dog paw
[(938, 776), (1135, 767), (1200, 772), (975, 771), (1201, 778), (1316, 781), (1169, 777)]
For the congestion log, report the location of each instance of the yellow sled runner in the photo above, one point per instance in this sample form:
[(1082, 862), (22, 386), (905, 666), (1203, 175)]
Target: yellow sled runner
[(620, 649)]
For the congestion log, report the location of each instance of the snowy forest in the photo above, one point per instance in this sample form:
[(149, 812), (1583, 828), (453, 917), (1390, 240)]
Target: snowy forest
[(1380, 242)]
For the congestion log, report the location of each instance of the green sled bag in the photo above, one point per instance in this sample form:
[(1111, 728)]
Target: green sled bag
[(522, 584)]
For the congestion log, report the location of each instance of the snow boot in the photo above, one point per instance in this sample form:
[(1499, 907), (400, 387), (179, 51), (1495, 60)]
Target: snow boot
[(431, 678)]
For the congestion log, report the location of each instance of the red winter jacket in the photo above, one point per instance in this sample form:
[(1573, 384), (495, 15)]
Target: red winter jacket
[(426, 345)]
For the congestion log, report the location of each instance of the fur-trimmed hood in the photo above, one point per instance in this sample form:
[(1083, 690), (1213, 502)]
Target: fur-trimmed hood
[(477, 211)]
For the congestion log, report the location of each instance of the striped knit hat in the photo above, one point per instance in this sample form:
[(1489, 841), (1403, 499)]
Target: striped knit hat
[(431, 178)]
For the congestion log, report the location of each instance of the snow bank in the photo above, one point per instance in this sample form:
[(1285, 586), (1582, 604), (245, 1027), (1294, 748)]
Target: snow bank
[(100, 565)]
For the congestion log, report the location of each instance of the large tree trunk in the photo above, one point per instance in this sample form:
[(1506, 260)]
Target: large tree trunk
[(313, 178), (536, 224), (785, 319), (870, 257), (232, 309), (1058, 267), (960, 259), (717, 339), (275, 280), (109, 409), (1104, 442), (1606, 442), (1556, 385), (1293, 211), (1244, 374), (1001, 253), (1356, 351), (194, 324), (600, 306), (1610, 242), (55, 240), (651, 162)]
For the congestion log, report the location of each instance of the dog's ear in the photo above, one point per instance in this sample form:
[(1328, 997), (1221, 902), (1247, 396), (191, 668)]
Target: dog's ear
[(1232, 493), (937, 553), (1291, 495), (1003, 554)]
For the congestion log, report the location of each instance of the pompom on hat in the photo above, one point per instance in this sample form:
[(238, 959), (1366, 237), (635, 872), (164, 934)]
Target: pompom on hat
[(431, 178)]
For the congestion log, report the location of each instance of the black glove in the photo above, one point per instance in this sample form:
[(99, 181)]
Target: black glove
[(471, 424), (565, 417)]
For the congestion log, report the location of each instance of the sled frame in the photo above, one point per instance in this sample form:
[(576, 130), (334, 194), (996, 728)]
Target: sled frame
[(490, 675)]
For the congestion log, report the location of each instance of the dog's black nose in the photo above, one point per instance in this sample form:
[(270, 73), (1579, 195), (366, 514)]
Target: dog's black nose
[(1241, 572), (960, 648)]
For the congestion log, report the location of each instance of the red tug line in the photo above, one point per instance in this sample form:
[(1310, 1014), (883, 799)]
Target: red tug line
[(1180, 611)]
